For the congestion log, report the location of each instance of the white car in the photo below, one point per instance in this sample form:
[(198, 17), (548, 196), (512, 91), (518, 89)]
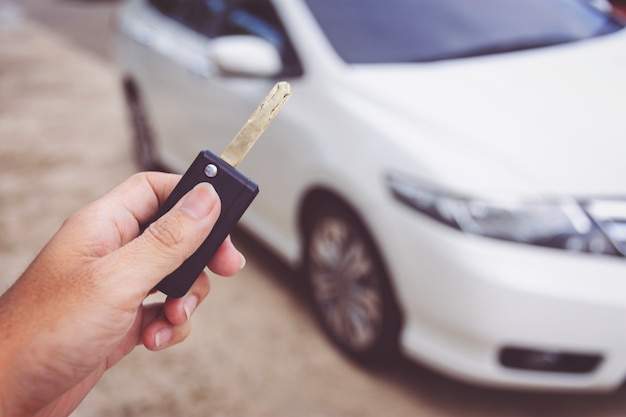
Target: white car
[(450, 174)]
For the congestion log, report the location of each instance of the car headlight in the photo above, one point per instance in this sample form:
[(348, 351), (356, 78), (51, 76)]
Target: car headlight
[(562, 224)]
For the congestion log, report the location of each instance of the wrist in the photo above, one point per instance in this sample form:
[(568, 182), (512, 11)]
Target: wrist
[(13, 385), (9, 398)]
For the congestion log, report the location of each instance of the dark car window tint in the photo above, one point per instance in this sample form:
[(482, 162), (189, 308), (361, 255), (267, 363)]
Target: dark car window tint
[(198, 15), (258, 18), (374, 31)]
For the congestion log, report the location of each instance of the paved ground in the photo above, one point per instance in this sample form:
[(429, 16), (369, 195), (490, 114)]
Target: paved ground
[(255, 350)]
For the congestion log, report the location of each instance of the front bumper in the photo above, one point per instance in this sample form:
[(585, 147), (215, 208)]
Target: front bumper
[(467, 298)]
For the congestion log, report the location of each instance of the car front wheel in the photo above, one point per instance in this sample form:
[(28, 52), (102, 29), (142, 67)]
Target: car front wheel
[(350, 289)]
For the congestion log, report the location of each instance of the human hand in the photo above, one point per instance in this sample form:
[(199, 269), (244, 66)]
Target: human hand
[(79, 307)]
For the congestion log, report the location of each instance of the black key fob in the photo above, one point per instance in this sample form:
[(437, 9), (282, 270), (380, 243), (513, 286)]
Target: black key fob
[(236, 193)]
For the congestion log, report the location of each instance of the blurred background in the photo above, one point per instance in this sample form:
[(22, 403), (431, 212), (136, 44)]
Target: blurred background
[(256, 349)]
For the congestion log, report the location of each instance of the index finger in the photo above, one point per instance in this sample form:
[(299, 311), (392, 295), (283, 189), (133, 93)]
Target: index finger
[(143, 193)]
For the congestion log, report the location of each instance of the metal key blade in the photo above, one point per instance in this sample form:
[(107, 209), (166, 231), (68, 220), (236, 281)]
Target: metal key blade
[(256, 124)]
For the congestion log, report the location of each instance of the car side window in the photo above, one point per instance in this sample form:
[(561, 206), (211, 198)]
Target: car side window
[(198, 15), (259, 18)]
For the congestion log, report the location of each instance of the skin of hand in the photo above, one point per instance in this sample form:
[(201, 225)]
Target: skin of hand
[(79, 307)]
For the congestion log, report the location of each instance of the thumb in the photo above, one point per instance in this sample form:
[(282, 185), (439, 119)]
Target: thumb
[(171, 239)]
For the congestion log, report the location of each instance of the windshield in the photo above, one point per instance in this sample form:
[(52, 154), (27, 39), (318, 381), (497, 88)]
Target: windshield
[(391, 31)]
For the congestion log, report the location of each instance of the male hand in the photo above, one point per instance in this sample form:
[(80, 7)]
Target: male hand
[(79, 307)]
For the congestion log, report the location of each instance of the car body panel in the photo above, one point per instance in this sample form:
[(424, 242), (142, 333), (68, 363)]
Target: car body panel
[(532, 124)]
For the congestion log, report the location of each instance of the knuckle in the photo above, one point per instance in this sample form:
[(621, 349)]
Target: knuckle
[(184, 332), (202, 286), (138, 177), (167, 231)]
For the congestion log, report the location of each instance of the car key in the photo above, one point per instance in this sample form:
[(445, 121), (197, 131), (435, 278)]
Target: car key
[(236, 191)]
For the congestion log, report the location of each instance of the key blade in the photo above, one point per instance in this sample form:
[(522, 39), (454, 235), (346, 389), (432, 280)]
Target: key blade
[(256, 124)]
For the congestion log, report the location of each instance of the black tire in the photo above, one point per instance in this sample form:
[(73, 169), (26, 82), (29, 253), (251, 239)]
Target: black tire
[(144, 150), (349, 286)]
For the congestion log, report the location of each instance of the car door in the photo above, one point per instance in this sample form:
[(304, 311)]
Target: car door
[(274, 162), (169, 52), (194, 106)]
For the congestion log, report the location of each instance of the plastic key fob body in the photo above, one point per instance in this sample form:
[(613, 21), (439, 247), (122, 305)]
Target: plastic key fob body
[(236, 193)]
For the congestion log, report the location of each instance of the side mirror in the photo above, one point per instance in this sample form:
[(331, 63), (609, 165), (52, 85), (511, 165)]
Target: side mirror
[(245, 56)]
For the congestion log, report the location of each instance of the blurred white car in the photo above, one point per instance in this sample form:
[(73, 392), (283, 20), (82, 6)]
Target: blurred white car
[(449, 173)]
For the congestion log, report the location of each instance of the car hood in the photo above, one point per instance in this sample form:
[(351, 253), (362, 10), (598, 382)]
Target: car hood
[(552, 117)]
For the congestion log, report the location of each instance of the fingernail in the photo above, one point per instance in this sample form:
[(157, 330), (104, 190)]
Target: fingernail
[(243, 262), (199, 202), (162, 337), (189, 305)]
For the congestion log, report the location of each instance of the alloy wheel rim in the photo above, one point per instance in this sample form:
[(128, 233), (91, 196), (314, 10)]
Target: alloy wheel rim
[(345, 283)]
